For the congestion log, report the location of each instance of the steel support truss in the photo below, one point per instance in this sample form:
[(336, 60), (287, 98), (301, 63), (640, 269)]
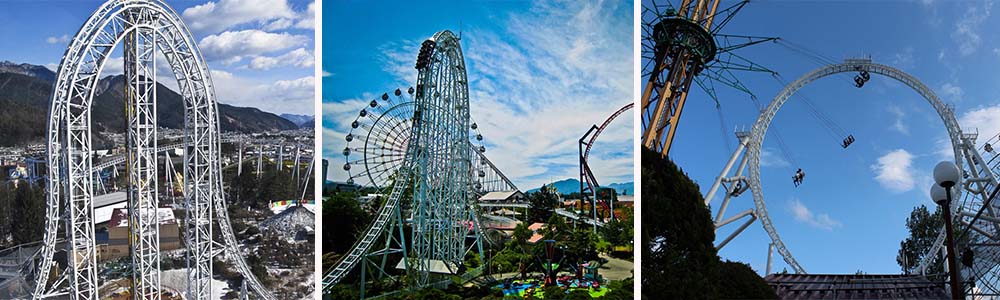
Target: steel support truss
[(146, 27), (588, 182)]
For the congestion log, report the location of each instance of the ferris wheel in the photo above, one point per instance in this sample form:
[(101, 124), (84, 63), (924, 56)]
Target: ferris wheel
[(379, 136)]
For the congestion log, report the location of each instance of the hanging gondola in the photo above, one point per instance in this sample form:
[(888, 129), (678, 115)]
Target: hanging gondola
[(847, 141), (798, 177)]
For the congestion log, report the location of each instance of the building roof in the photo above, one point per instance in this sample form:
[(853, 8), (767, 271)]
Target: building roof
[(110, 199), (501, 196), (865, 286), (119, 218)]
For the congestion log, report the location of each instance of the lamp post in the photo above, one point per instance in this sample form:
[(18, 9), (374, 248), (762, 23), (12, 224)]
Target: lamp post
[(946, 175)]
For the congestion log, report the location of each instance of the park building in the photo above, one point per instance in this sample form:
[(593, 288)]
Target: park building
[(116, 245)]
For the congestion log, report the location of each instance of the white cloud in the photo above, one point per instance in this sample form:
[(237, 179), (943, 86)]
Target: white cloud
[(308, 20), (283, 96), (217, 16), (898, 124), (904, 59), (804, 215), (231, 45), (966, 33), (300, 57), (894, 171), (562, 67), (985, 120), (768, 158), (327, 74), (58, 39), (952, 92)]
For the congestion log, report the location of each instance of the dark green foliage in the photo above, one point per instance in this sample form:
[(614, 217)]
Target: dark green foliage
[(679, 258), (6, 201), (28, 213), (541, 204), (618, 232), (581, 246), (577, 295), (342, 213), (741, 282), (553, 292), (249, 190), (923, 227), (342, 292), (620, 290), (24, 101)]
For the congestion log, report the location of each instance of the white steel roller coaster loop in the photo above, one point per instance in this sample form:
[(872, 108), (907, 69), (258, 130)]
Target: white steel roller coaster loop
[(146, 27), (963, 146)]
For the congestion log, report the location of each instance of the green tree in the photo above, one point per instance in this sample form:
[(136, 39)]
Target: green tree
[(679, 259), (5, 216), (344, 216), (28, 211), (741, 282), (581, 246), (923, 227), (542, 204)]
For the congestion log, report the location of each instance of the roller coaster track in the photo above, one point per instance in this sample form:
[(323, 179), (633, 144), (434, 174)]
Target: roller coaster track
[(378, 227)]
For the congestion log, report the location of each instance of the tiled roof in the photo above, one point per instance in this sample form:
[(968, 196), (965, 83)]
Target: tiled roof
[(866, 286)]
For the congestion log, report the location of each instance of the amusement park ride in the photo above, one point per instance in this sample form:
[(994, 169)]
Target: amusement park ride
[(679, 43), (421, 152), (145, 28), (682, 45), (418, 150)]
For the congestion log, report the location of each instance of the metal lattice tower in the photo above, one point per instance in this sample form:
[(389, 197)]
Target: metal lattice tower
[(419, 154), (146, 27), (682, 45), (443, 189), (140, 99)]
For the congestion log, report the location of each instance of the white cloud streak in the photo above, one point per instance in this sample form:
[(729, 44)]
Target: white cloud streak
[(804, 215), (894, 171), (562, 67)]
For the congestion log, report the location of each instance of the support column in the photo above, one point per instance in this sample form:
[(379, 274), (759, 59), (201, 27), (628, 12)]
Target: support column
[(140, 97)]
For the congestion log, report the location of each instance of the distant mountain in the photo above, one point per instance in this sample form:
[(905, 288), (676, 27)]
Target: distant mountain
[(299, 120), (571, 185), (25, 92), (308, 124), (28, 70)]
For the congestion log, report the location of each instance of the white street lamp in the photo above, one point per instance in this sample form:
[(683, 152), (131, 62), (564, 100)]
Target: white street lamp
[(947, 175)]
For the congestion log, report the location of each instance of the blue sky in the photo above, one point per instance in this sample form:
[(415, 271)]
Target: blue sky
[(260, 52), (540, 75), (849, 214)]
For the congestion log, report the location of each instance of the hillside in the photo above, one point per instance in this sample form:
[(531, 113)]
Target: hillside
[(571, 185), (25, 92)]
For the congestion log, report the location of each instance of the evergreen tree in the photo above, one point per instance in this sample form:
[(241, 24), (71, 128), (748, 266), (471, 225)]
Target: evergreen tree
[(542, 204), (5, 216), (28, 222)]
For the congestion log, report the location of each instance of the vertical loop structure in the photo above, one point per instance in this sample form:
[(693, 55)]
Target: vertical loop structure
[(147, 28), (978, 181)]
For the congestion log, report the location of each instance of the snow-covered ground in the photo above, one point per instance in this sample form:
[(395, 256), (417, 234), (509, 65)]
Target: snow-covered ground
[(291, 219), (177, 280), (278, 209)]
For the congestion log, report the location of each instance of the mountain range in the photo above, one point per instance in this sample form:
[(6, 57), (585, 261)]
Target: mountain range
[(572, 185), (303, 121), (25, 93)]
